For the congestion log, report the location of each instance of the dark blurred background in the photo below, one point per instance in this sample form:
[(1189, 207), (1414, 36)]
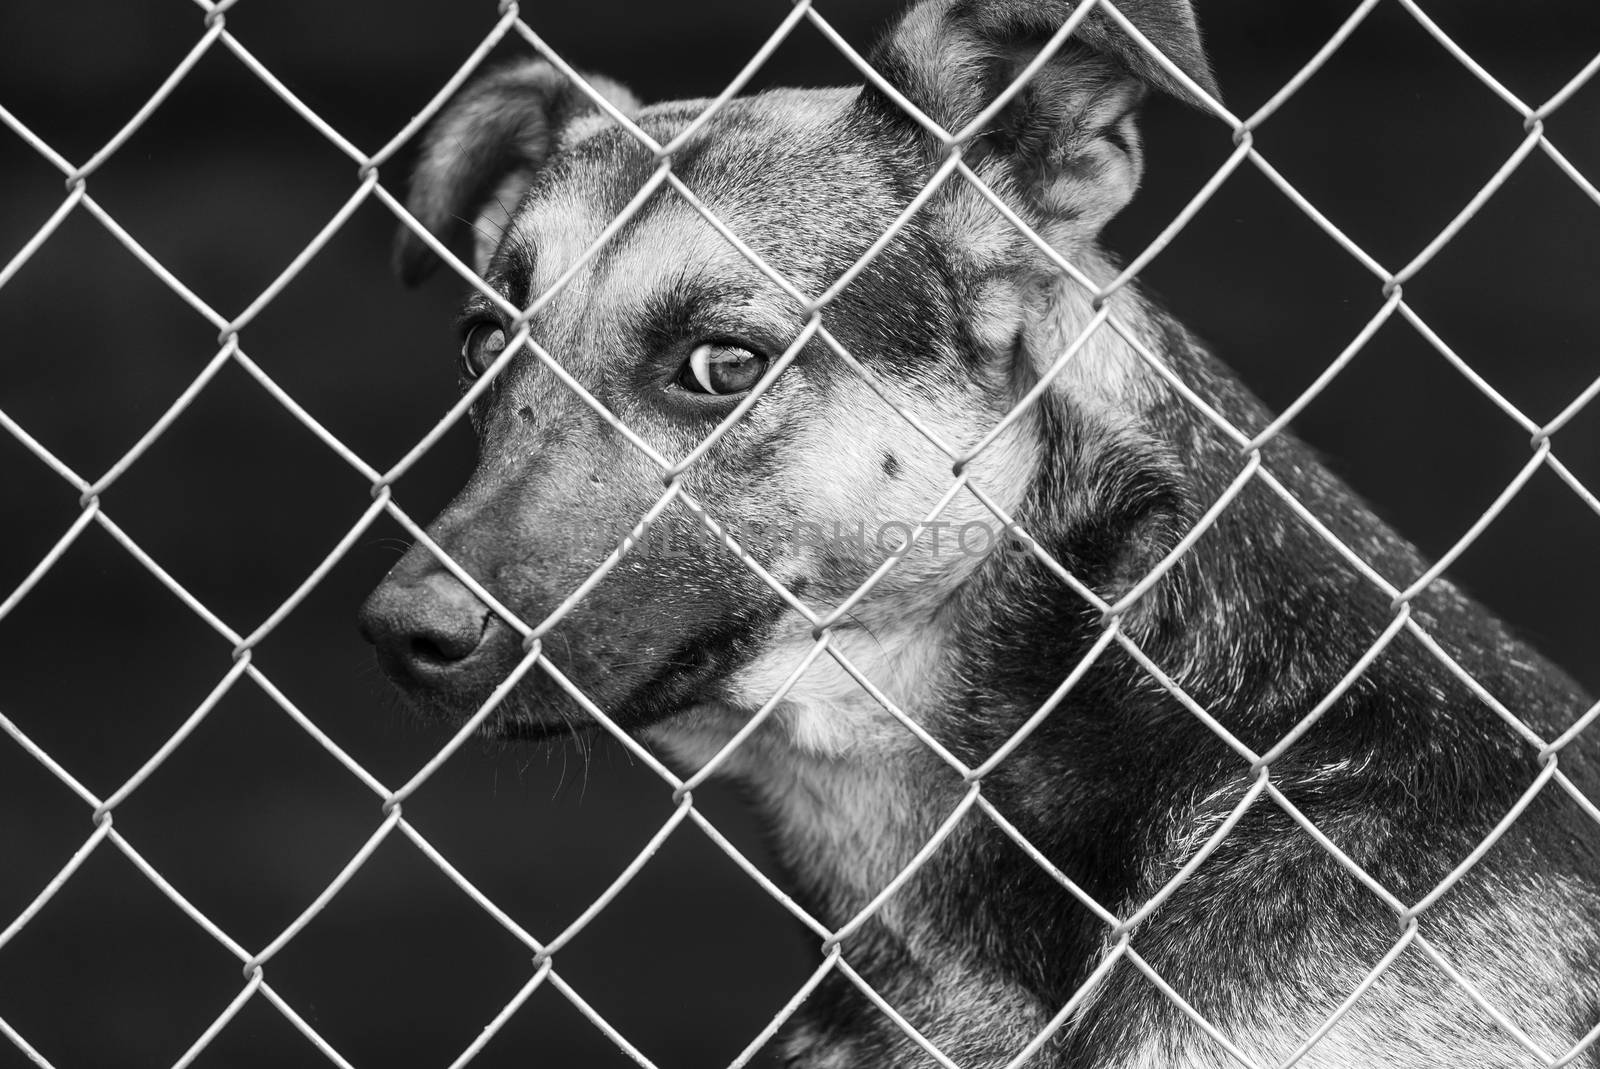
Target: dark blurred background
[(250, 818)]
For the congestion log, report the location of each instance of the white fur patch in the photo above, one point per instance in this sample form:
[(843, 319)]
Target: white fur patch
[(560, 226), (674, 243), (827, 713), (897, 643), (1106, 376)]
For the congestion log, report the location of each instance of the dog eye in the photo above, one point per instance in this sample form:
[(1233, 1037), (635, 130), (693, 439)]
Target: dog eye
[(483, 343), (721, 369)]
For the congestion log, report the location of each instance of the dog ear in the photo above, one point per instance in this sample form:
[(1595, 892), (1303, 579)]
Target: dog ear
[(482, 153), (1067, 142)]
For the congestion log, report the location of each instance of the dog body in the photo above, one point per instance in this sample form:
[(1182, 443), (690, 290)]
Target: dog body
[(1122, 784)]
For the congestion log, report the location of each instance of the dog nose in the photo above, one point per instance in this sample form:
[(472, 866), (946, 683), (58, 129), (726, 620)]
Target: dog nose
[(424, 628)]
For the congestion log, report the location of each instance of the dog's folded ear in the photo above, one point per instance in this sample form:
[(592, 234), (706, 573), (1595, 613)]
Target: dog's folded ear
[(1067, 141), (482, 153)]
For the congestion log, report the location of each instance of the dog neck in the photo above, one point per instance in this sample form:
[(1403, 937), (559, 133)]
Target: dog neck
[(847, 792), (845, 826)]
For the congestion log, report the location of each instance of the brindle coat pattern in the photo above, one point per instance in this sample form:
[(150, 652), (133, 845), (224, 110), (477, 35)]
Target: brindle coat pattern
[(1258, 622)]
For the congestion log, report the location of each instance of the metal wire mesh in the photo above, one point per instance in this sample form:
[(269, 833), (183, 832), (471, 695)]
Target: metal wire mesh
[(389, 817)]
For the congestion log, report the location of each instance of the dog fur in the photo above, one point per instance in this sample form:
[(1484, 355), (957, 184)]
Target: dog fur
[(1120, 785)]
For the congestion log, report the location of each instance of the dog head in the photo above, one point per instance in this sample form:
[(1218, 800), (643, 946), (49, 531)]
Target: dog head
[(657, 333)]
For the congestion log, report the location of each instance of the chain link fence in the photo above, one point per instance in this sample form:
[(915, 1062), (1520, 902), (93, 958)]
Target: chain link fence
[(545, 950)]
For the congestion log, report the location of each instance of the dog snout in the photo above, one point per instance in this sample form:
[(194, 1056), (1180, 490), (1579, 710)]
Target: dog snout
[(428, 630)]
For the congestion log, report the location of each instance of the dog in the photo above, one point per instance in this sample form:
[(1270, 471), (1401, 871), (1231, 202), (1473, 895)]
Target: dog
[(1387, 719)]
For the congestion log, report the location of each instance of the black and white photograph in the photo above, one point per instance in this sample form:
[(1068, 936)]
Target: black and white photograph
[(821, 534)]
